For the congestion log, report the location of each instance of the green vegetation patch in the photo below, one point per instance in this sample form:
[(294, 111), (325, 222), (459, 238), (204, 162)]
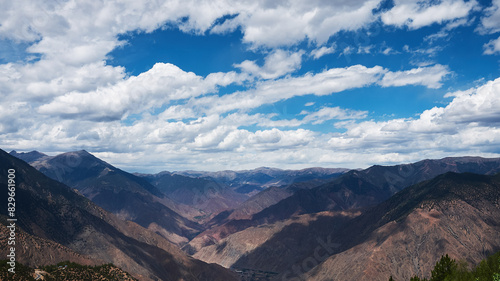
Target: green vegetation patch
[(447, 269), (65, 271)]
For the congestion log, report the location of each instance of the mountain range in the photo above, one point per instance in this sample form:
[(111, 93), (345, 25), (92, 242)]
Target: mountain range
[(456, 214), (311, 224), (203, 194), (404, 236), (58, 223), (128, 196), (251, 182), (341, 198)]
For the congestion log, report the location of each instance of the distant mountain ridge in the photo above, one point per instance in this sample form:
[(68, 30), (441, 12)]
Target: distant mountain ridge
[(246, 181), (364, 188), (204, 194), (28, 156), (217, 193)]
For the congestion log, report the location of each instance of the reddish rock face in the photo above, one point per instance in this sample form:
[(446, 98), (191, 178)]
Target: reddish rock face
[(353, 190), (455, 214)]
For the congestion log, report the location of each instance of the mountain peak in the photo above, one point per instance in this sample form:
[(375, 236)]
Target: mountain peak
[(28, 156), (82, 152), (263, 168), (81, 155)]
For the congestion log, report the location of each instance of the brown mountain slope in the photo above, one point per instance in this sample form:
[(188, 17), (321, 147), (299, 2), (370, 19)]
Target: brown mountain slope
[(202, 194), (259, 202), (354, 189), (412, 247), (457, 214), (240, 218), (252, 205), (126, 195), (229, 250), (267, 198), (35, 251), (50, 210)]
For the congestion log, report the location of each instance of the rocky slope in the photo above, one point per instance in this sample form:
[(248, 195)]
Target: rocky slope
[(50, 211), (352, 190), (126, 195), (202, 194), (454, 214), (35, 251), (229, 250), (457, 214), (64, 271)]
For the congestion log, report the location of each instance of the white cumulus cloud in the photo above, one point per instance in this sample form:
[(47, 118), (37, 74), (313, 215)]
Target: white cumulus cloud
[(319, 52), (490, 21), (492, 47), (423, 13), (329, 113), (468, 124), (277, 64), (430, 77), (151, 89)]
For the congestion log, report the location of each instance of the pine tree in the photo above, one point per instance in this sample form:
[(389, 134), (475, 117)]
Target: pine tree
[(496, 276), (391, 279), (444, 267)]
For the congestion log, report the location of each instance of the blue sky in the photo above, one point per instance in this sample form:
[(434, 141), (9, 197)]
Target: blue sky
[(213, 85)]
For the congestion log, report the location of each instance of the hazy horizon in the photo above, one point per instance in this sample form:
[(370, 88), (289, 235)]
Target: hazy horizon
[(150, 171)]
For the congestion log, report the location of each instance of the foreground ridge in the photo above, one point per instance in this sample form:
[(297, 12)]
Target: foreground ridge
[(65, 271)]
